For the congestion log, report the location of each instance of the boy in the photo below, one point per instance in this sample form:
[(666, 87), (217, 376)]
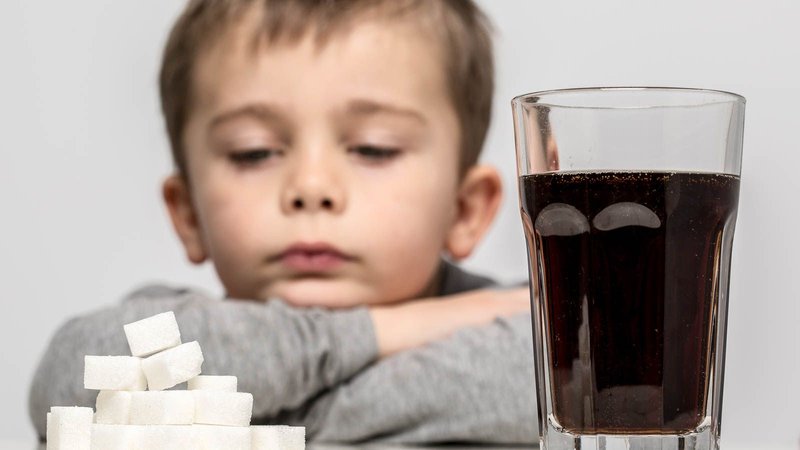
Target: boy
[(326, 161)]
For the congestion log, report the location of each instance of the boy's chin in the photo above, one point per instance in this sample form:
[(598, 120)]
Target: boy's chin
[(325, 293)]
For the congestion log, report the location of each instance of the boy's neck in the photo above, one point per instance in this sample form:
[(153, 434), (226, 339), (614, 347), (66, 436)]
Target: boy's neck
[(434, 286)]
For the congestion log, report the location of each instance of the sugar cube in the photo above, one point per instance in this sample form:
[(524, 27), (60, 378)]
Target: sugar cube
[(114, 373), (153, 334), (113, 407), (70, 428), (223, 408), (224, 383), (170, 367), (165, 437), (162, 408), (278, 437), (113, 437), (211, 414), (50, 431), (212, 437)]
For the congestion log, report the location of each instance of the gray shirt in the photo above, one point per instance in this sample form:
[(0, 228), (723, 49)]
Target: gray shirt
[(319, 368)]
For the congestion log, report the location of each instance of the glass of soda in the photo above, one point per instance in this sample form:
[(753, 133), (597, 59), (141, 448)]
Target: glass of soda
[(629, 200)]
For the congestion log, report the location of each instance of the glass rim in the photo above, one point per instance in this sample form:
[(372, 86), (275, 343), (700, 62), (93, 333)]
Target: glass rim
[(540, 97)]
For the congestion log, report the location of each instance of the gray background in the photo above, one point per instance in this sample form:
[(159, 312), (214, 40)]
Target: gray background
[(83, 154)]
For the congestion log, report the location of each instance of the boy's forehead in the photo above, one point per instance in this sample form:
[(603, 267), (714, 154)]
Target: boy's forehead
[(373, 58)]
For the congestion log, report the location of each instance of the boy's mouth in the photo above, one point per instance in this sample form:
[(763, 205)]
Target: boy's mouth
[(312, 257)]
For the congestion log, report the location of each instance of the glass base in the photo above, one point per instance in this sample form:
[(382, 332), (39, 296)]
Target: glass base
[(555, 438)]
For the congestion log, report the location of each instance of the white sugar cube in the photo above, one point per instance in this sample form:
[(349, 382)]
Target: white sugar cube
[(114, 373), (162, 408), (170, 367), (113, 407), (223, 408), (211, 437), (114, 437), (278, 437), (153, 334), (70, 428), (165, 437), (223, 383), (50, 430)]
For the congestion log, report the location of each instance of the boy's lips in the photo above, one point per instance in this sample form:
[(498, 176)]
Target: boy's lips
[(311, 257)]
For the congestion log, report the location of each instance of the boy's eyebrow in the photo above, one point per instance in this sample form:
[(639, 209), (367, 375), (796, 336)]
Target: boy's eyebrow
[(266, 113), (370, 107), (260, 111)]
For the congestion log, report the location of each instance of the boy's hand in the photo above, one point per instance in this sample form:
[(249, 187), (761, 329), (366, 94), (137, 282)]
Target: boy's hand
[(408, 325)]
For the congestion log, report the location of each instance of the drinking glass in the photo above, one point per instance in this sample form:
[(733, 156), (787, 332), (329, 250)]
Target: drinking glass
[(629, 199)]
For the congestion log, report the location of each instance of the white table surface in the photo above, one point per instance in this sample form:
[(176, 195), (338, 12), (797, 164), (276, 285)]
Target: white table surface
[(26, 444)]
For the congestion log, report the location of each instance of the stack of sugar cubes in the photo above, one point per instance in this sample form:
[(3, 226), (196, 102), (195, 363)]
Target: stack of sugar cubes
[(135, 412)]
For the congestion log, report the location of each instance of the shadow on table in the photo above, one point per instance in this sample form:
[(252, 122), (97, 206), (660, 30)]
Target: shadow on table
[(313, 446)]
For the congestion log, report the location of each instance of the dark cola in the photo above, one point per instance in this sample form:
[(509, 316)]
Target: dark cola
[(631, 266)]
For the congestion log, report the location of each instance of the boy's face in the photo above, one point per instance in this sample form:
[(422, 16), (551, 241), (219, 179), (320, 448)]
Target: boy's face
[(321, 174)]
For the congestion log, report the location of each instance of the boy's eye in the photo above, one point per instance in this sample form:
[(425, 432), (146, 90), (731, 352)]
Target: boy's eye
[(374, 153), (252, 157)]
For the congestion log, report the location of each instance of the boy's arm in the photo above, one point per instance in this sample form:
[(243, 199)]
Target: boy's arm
[(475, 386), (410, 325), (282, 355)]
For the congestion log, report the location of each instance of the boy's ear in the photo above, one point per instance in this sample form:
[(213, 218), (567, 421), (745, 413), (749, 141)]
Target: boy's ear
[(178, 199), (478, 200)]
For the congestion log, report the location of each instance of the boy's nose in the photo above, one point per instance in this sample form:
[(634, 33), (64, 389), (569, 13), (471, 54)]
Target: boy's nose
[(303, 202), (310, 191)]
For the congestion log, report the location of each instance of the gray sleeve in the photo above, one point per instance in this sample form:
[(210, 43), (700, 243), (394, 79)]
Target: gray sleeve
[(282, 355), (475, 386)]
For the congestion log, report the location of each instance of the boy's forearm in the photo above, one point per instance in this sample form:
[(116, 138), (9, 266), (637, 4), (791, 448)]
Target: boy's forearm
[(473, 386), (409, 325)]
